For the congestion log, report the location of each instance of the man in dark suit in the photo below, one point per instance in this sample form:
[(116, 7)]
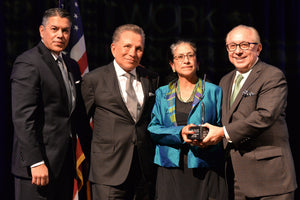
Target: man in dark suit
[(254, 128), (122, 151), (45, 107)]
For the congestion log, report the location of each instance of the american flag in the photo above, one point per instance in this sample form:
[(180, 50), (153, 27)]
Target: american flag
[(77, 41), (78, 53)]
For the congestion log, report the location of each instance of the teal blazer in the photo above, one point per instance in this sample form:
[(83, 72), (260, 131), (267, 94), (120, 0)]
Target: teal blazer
[(166, 134)]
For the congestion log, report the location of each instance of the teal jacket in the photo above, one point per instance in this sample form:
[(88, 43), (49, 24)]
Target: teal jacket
[(166, 134)]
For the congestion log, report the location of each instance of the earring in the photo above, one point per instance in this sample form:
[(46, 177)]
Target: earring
[(173, 69)]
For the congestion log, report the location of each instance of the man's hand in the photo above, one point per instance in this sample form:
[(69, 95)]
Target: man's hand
[(40, 176), (215, 135)]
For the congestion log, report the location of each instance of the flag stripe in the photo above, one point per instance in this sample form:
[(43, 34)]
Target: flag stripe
[(82, 62), (80, 158), (78, 49)]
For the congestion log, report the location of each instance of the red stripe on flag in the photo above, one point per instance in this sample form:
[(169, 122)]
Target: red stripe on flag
[(82, 62), (75, 190), (79, 160)]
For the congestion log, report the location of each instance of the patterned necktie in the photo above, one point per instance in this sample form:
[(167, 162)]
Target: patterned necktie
[(237, 87), (68, 85), (132, 102)]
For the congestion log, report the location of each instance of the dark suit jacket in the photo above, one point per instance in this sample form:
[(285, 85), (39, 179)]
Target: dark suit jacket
[(41, 118), (115, 133), (260, 154)]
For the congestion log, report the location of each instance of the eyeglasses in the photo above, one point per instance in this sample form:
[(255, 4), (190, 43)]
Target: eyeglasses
[(244, 46), (181, 57)]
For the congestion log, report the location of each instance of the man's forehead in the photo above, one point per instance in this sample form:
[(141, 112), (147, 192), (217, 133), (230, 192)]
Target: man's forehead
[(131, 37), (58, 21)]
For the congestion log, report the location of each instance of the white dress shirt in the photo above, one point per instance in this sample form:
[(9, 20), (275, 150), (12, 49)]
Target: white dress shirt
[(137, 85)]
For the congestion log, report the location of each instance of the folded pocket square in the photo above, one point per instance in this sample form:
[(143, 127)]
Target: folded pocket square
[(151, 94), (247, 93)]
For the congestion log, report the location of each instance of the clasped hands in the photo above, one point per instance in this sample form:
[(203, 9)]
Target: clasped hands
[(215, 135)]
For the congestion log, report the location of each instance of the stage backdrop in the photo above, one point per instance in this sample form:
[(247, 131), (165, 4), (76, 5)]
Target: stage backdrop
[(206, 22)]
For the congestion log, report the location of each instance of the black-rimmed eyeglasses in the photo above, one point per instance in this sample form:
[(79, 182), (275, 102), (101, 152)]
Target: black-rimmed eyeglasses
[(244, 46)]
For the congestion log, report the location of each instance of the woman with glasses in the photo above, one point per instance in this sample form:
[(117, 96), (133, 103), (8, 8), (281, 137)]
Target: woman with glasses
[(187, 169)]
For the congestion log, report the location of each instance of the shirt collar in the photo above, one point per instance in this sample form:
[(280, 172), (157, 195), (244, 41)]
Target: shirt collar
[(120, 71), (55, 56), (246, 74)]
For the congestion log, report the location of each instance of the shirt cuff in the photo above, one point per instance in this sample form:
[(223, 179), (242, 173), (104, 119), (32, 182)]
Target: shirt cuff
[(227, 135), (37, 164)]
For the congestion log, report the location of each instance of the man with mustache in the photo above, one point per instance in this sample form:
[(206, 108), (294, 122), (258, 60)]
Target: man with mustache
[(46, 107)]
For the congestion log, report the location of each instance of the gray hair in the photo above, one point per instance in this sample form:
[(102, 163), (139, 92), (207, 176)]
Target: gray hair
[(174, 46), (250, 28), (127, 27), (52, 12)]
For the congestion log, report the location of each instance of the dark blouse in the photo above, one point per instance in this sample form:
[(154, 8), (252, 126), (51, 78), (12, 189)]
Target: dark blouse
[(182, 111), (181, 182)]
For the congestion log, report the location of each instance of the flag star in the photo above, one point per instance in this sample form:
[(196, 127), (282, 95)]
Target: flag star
[(75, 16), (75, 27), (76, 4)]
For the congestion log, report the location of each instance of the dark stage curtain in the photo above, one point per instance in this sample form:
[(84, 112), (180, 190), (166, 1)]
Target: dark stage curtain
[(206, 22)]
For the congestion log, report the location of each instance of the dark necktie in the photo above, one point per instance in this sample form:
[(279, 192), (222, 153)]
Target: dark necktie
[(132, 102), (67, 82), (237, 87)]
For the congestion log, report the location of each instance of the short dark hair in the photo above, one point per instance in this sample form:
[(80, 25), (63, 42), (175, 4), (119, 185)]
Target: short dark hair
[(52, 12)]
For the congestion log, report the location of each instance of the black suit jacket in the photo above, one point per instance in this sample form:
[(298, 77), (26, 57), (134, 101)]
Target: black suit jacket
[(115, 133), (40, 111)]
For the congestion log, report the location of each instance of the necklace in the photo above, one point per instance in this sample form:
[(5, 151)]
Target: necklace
[(191, 98)]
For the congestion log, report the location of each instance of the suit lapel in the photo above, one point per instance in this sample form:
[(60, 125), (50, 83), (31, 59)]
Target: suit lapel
[(142, 77), (250, 80), (252, 77), (49, 60), (199, 95), (114, 83), (170, 97), (227, 90), (71, 76)]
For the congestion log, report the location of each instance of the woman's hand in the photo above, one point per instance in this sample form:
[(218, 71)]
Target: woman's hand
[(215, 135), (185, 132)]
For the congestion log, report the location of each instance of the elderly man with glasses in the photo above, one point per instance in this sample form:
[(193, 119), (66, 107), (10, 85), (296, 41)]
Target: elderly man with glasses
[(254, 131)]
